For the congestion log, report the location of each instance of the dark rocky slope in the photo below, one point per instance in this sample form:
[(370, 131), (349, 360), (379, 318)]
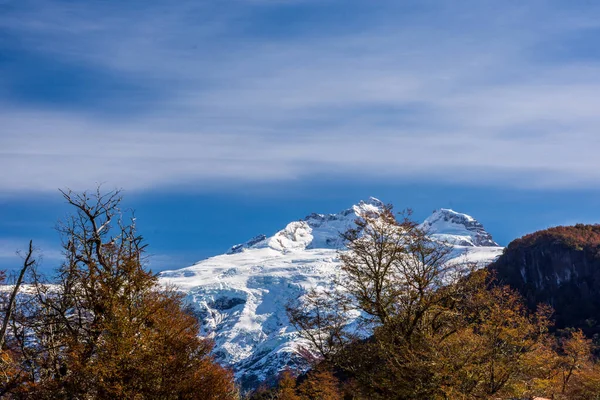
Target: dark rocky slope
[(559, 266)]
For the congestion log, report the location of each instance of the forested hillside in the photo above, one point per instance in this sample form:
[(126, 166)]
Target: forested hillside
[(559, 266)]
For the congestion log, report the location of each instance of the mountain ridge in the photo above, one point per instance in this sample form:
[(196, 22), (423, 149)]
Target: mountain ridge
[(444, 224)]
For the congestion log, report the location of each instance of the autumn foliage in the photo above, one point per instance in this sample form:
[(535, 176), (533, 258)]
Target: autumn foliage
[(105, 329), (320, 383), (576, 236)]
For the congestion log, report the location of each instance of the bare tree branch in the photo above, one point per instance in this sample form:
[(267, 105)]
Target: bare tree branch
[(28, 262)]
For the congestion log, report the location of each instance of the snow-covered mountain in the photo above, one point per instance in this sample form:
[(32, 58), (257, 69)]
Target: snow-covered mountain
[(241, 296), (459, 229)]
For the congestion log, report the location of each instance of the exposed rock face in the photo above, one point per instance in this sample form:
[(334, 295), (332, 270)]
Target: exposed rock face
[(559, 266), (238, 248)]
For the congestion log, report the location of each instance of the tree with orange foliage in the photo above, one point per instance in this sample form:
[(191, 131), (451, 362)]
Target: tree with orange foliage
[(498, 348), (575, 373), (105, 329), (287, 387), (320, 383)]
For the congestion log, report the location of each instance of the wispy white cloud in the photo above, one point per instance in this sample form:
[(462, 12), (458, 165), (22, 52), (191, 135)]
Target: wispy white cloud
[(463, 93)]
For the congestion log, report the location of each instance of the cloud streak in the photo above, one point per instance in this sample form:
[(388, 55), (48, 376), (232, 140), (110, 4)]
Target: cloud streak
[(477, 92)]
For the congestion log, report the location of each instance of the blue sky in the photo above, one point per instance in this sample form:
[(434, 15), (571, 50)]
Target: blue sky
[(225, 119)]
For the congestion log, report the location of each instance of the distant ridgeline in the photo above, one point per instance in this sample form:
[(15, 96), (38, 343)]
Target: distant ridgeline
[(559, 266)]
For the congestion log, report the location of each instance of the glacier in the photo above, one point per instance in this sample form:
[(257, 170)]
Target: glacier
[(240, 296)]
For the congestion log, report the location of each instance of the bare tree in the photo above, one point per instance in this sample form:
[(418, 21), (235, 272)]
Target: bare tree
[(27, 263), (391, 270), (321, 317)]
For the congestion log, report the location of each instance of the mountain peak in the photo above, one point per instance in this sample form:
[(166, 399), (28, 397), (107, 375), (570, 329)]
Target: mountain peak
[(322, 231), (453, 214), (372, 201), (457, 228), (371, 206), (315, 231)]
